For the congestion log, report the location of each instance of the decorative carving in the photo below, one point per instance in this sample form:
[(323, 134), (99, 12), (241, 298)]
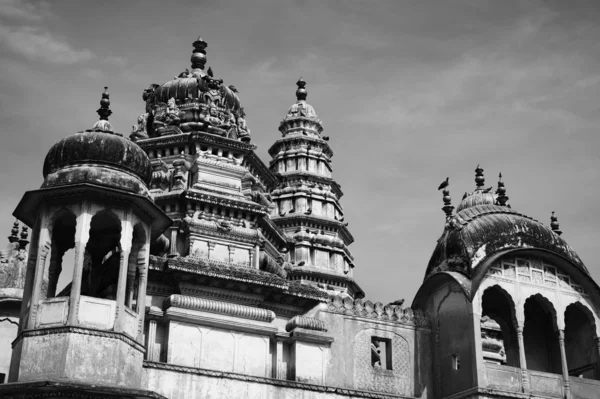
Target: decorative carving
[(308, 323), (230, 309), (397, 379), (138, 131), (366, 309), (491, 341), (166, 115)]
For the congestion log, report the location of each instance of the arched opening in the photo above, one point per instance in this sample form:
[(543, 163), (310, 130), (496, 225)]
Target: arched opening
[(102, 257), (580, 345), (137, 259), (542, 351), (62, 240), (498, 332)]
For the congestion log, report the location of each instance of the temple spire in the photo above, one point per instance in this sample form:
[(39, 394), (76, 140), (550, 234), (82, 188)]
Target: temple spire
[(554, 224), (14, 232), (501, 191), (103, 125), (301, 93), (479, 179), (199, 54), (447, 208)]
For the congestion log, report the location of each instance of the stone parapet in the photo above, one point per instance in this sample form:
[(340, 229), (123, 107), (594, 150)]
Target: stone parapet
[(368, 309), (230, 309)]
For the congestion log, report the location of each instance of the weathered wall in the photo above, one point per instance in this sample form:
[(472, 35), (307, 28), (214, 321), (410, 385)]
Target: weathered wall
[(454, 358), (8, 332)]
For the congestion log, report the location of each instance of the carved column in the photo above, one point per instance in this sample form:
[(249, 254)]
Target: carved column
[(151, 341), (173, 248), (211, 248), (30, 275), (563, 360), (55, 268), (142, 284), (231, 252), (39, 276), (82, 235), (598, 362), (522, 359), (126, 241), (256, 256)]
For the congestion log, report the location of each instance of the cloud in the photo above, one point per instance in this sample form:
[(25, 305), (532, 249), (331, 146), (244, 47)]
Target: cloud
[(17, 9), (36, 44)]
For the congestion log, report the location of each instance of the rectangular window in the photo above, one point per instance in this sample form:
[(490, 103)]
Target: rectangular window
[(2, 378), (456, 362), (381, 353)]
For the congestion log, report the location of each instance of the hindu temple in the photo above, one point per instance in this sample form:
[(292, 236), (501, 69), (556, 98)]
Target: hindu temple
[(197, 270)]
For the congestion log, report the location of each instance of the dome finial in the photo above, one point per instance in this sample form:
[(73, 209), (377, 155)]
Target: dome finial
[(479, 179), (554, 224), (301, 93), (447, 208), (501, 191), (199, 54), (103, 125), (14, 232)]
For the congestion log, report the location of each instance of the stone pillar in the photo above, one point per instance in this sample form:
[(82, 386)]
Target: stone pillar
[(29, 276), (126, 243), (211, 248), (151, 341), (522, 359), (598, 353), (142, 284), (43, 251), (173, 248), (82, 235), (257, 256), (563, 360)]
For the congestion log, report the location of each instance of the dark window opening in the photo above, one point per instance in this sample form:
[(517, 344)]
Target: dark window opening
[(456, 362), (381, 353)]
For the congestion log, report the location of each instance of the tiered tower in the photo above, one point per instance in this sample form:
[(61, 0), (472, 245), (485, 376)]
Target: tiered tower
[(307, 202)]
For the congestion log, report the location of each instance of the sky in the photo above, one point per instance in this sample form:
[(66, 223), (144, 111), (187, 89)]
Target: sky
[(409, 92)]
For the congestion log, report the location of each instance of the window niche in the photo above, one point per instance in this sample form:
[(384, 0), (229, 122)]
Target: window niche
[(62, 241), (102, 257), (381, 353)]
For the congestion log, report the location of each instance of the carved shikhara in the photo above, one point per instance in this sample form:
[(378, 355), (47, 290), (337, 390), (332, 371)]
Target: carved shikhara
[(229, 309), (308, 323), (368, 309), (394, 381)]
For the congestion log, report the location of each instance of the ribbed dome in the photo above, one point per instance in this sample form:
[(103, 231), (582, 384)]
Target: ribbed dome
[(98, 157), (477, 198)]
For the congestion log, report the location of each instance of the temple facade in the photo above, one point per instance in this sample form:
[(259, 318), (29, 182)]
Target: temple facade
[(199, 271)]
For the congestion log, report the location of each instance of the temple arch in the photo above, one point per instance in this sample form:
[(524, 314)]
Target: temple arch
[(580, 342), (62, 239), (542, 351), (498, 327), (102, 256)]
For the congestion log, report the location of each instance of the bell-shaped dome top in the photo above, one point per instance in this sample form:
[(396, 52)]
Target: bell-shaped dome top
[(481, 195), (301, 117), (98, 156), (194, 101)]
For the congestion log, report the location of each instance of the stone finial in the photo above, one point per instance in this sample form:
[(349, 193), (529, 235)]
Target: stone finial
[(199, 54), (479, 179), (14, 232), (554, 224), (23, 241), (103, 125), (501, 191), (447, 208), (301, 93)]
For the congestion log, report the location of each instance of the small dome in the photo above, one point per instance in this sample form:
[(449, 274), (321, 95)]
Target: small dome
[(94, 157), (301, 117), (477, 197)]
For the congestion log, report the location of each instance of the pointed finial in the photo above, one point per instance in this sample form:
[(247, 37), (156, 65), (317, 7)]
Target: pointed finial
[(103, 125), (14, 232), (199, 54), (501, 191), (23, 241), (554, 224), (447, 208), (479, 179), (301, 93)]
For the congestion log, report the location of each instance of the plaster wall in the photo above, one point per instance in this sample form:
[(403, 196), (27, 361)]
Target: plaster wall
[(8, 332)]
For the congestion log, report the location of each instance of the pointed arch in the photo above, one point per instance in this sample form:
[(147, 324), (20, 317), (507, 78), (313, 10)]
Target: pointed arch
[(540, 338), (580, 343), (63, 224), (497, 304)]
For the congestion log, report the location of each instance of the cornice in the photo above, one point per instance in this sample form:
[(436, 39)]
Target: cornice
[(225, 202), (62, 389), (307, 323), (263, 169), (321, 221), (300, 140), (229, 309)]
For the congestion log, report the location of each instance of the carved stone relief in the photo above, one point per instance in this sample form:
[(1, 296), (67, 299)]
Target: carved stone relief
[(395, 380)]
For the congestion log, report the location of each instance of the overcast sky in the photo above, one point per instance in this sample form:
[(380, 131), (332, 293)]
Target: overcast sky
[(409, 92)]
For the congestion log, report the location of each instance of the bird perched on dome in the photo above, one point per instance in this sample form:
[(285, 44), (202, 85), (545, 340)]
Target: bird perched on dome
[(209, 72), (397, 302), (233, 89), (444, 183)]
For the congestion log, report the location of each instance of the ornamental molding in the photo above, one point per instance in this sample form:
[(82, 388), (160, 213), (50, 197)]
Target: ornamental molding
[(59, 389), (307, 323), (223, 229), (212, 139), (377, 311), (229, 309), (80, 330), (350, 393), (221, 294), (225, 202), (291, 141)]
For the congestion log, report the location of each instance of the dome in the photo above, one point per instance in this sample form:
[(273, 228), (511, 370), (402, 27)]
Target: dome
[(193, 101), (478, 197), (98, 156), (480, 231), (301, 117)]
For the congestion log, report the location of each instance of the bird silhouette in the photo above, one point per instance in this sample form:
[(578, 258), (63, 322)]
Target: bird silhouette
[(444, 183), (326, 138), (487, 190), (465, 196), (233, 89), (346, 224), (301, 263), (209, 72), (397, 302)]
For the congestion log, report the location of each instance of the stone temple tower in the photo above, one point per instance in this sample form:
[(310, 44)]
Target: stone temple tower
[(94, 199), (307, 202)]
